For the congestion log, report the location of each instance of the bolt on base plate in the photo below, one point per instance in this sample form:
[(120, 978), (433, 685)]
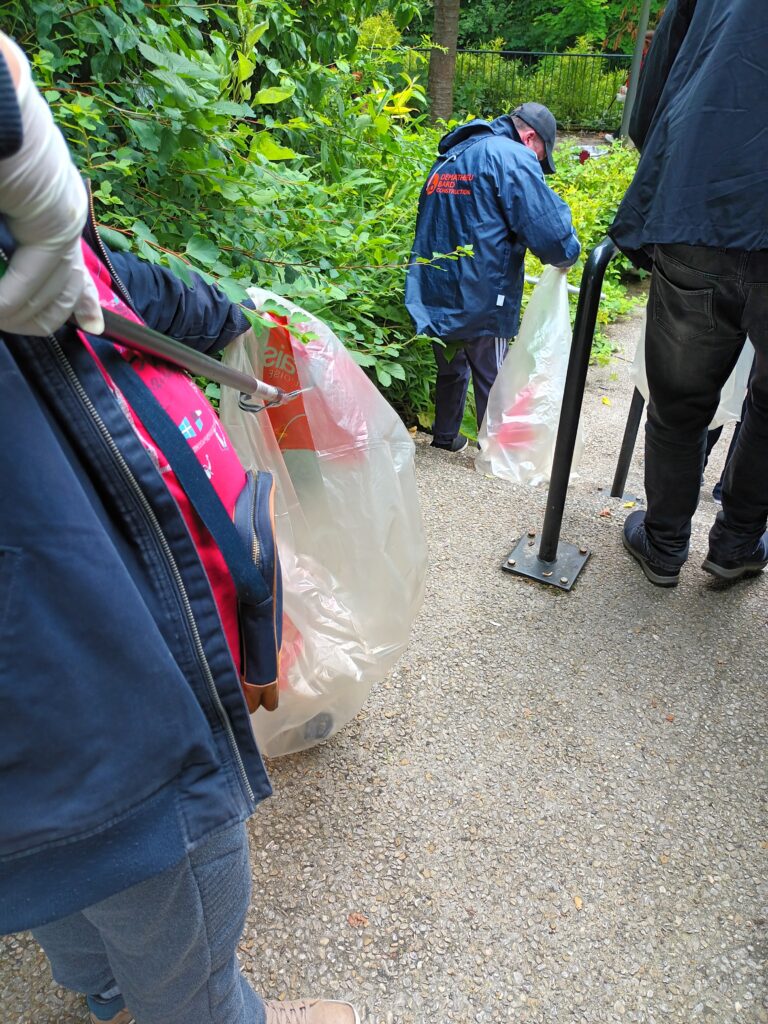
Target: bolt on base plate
[(524, 560)]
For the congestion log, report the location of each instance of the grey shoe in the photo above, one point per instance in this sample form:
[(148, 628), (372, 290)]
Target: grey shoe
[(735, 570), (636, 543), (458, 444)]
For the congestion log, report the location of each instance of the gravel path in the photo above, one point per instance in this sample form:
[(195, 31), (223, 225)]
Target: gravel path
[(553, 811)]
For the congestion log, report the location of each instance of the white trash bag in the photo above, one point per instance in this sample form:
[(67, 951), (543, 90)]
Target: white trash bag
[(518, 433), (349, 528), (734, 389)]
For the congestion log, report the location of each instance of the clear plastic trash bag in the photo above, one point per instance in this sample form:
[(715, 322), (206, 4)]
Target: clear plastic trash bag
[(349, 527), (734, 389), (518, 433)]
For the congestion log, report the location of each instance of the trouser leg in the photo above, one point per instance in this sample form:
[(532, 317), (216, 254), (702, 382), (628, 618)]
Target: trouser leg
[(485, 356), (171, 941), (450, 393), (694, 336), (742, 520), (76, 953)]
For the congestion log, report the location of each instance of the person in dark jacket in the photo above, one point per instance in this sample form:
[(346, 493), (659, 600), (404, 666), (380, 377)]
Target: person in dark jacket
[(486, 190), (127, 762), (695, 213)]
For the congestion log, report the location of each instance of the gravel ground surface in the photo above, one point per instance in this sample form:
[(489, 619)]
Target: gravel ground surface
[(552, 811)]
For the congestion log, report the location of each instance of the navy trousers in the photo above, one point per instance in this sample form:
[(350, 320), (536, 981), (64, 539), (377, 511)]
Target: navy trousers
[(482, 357), (702, 304)]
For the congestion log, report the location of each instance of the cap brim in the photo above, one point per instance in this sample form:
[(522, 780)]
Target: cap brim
[(548, 164)]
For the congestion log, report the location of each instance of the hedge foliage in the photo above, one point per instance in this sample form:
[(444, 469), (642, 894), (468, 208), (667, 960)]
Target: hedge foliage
[(240, 142)]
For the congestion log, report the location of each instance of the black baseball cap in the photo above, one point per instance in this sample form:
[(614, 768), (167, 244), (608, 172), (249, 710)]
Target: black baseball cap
[(542, 120)]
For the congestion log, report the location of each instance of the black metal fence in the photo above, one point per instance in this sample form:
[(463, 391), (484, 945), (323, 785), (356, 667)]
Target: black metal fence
[(579, 88)]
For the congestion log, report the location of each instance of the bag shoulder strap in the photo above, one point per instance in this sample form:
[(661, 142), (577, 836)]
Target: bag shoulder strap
[(248, 581)]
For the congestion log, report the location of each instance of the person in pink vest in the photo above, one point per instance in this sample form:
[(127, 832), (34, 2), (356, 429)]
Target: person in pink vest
[(127, 763)]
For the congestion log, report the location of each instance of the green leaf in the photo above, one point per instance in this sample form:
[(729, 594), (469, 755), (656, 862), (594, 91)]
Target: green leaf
[(245, 68), (227, 107), (142, 232), (114, 239), (203, 250), (255, 34), (147, 133), (124, 34), (275, 94), (179, 267), (265, 145), (362, 358)]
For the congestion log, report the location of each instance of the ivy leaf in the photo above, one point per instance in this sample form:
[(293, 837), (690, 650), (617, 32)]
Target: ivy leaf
[(203, 250)]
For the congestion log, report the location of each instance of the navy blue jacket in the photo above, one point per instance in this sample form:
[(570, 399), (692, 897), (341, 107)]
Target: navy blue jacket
[(124, 736), (700, 122), (486, 190)]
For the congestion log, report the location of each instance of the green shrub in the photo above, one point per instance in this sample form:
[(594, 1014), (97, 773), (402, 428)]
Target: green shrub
[(218, 142), (379, 31)]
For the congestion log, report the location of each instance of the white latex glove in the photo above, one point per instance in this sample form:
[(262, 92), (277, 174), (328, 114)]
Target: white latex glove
[(45, 203)]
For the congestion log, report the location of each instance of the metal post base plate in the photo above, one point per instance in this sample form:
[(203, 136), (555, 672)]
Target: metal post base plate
[(524, 560)]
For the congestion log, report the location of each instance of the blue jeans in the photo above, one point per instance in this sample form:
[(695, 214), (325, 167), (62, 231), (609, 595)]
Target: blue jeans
[(480, 356), (702, 304), (169, 943)]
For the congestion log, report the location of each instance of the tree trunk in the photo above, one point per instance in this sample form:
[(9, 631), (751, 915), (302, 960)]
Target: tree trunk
[(442, 66)]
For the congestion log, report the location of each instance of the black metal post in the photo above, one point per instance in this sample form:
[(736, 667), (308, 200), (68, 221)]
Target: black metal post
[(555, 563), (628, 444), (573, 396)]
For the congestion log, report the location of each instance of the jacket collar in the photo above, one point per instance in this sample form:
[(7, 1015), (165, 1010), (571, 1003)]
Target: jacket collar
[(473, 131)]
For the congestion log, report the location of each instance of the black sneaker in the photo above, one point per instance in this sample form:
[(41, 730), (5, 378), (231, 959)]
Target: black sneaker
[(734, 570), (458, 444), (636, 543)]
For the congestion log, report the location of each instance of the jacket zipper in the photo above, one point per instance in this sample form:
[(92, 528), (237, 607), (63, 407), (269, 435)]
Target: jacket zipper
[(255, 547), (104, 255), (149, 514), (214, 694), (224, 717)]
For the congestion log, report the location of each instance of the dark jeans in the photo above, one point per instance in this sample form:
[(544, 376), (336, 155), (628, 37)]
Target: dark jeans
[(703, 302), (480, 356)]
